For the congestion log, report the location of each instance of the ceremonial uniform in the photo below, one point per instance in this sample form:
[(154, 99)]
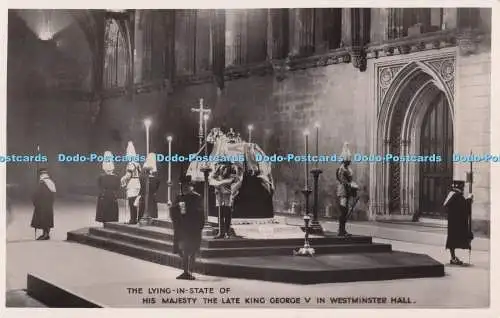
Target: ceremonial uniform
[(188, 220), (458, 209), (131, 182), (224, 177), (346, 188), (43, 201), (109, 185), (149, 186)]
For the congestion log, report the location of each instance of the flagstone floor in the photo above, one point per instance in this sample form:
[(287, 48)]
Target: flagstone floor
[(461, 287)]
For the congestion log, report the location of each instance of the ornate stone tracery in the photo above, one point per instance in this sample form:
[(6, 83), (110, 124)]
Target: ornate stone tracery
[(402, 90)]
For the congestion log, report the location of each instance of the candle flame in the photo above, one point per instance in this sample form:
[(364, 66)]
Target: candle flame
[(306, 132), (250, 127), (317, 125), (205, 117), (169, 138), (147, 122)]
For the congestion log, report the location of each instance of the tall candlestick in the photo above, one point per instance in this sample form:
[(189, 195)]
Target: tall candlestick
[(306, 167), (205, 119), (169, 179), (317, 144), (147, 123), (250, 128)]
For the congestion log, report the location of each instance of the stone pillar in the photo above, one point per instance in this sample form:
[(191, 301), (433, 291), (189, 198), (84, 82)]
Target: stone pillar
[(185, 41), (169, 51), (236, 37), (306, 31), (468, 20), (202, 52), (257, 35), (346, 26), (360, 32), (279, 45), (450, 18), (436, 18), (218, 45), (378, 29), (295, 28)]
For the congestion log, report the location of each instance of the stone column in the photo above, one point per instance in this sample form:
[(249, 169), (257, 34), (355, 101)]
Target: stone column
[(257, 35), (468, 27), (169, 53), (346, 26), (279, 45), (218, 45), (202, 51), (379, 21), (450, 18), (360, 32)]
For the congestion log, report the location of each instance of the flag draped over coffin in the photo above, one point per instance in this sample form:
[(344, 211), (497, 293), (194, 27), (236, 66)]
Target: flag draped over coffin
[(250, 165)]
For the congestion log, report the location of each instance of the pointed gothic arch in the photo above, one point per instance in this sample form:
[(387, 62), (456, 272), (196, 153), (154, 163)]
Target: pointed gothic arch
[(404, 92)]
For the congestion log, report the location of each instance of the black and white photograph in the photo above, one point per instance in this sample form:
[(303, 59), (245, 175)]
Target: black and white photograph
[(285, 157)]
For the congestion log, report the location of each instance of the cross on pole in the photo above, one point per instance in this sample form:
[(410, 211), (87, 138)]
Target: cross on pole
[(202, 111)]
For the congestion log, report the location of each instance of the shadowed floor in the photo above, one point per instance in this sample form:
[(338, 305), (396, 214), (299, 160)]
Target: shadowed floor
[(100, 273)]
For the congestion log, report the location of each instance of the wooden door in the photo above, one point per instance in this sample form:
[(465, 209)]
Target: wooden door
[(436, 138)]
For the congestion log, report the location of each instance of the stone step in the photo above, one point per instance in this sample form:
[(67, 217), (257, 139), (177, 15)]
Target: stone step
[(206, 252), (161, 233), (285, 268)]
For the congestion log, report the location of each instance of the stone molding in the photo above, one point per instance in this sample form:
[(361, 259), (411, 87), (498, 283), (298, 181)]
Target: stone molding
[(429, 74)]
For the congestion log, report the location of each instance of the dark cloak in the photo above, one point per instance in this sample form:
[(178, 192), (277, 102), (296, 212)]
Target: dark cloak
[(107, 204), (458, 209)]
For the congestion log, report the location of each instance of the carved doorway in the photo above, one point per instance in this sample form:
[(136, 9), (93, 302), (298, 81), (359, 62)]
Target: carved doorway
[(436, 137)]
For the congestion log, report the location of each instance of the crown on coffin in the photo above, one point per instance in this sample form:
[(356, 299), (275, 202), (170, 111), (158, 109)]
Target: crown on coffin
[(231, 135)]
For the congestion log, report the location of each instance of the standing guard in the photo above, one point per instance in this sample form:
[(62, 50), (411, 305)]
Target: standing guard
[(188, 219), (149, 187), (458, 209), (109, 186), (224, 177), (131, 181), (346, 188), (43, 202)]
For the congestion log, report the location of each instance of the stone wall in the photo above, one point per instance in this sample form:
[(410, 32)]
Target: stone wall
[(334, 96), (474, 129)]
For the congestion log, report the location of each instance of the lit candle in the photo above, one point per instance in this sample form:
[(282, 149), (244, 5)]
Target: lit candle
[(169, 189), (306, 167), (250, 128), (205, 119), (317, 144), (147, 123)]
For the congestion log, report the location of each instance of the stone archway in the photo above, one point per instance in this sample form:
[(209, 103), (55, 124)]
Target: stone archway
[(405, 90)]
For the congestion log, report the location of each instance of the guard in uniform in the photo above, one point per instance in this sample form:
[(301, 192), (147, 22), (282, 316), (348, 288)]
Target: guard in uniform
[(43, 201), (346, 188), (458, 209), (224, 177), (149, 177), (188, 220), (130, 181), (109, 186)]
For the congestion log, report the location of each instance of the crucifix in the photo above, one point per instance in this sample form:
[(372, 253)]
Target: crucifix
[(202, 111), (207, 231)]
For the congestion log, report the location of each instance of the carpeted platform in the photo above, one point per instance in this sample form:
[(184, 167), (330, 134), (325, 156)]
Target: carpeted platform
[(337, 259)]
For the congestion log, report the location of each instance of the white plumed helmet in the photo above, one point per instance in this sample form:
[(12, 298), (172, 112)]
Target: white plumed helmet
[(108, 164)]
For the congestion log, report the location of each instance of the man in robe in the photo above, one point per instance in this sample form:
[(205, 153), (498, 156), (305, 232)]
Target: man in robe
[(109, 185), (43, 201), (188, 219), (149, 187), (346, 188), (131, 182), (458, 209)]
